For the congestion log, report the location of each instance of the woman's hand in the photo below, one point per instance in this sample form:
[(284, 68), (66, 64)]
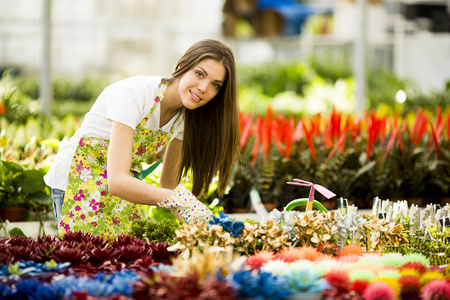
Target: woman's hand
[(182, 201)]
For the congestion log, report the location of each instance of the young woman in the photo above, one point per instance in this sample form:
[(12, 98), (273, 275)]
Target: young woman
[(194, 113)]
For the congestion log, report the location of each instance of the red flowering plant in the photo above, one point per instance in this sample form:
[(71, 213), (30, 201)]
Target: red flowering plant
[(357, 158)]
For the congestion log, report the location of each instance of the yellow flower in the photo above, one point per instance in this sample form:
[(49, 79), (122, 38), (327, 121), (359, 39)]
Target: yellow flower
[(393, 283), (86, 185), (430, 275), (410, 272)]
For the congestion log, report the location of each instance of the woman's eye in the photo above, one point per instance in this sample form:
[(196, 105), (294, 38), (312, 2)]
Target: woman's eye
[(216, 86), (199, 74)]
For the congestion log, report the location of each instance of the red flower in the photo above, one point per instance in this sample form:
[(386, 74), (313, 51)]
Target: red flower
[(339, 280), (416, 266), (360, 286), (379, 290), (410, 287), (437, 289)]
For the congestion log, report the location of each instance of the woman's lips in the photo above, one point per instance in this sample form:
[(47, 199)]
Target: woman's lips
[(194, 96)]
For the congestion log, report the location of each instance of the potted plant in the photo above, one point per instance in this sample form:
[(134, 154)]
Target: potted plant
[(22, 190)]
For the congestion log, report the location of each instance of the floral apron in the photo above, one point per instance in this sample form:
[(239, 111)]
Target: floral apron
[(88, 206)]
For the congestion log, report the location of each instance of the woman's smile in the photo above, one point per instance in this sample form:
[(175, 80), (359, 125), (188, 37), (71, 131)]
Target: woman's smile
[(201, 84)]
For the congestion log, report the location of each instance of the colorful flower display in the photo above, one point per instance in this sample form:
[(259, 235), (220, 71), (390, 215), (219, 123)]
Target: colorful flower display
[(284, 256)]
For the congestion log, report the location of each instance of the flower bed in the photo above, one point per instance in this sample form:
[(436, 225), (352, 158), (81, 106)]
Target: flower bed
[(286, 256)]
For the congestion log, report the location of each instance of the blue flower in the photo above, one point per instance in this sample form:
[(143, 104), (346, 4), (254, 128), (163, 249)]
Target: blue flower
[(305, 280), (4, 270), (163, 268), (101, 284), (233, 227), (49, 292), (6, 292), (260, 285), (26, 289)]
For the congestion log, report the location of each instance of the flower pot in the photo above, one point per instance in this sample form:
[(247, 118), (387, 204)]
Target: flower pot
[(239, 210), (270, 206), (416, 201), (306, 296), (13, 213)]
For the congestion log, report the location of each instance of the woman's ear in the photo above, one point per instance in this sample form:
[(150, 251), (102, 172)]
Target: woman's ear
[(179, 66)]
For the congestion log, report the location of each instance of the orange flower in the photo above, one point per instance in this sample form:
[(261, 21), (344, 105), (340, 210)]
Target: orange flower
[(352, 249)]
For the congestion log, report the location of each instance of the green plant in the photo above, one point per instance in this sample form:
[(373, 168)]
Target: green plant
[(15, 106), (20, 187), (156, 231)]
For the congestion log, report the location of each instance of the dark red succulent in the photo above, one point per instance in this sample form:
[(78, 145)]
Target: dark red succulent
[(66, 253), (18, 253), (43, 250), (142, 264), (99, 254), (124, 240), (160, 252), (76, 236), (132, 252)]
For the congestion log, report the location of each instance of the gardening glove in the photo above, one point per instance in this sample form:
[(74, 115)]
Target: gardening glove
[(187, 205)]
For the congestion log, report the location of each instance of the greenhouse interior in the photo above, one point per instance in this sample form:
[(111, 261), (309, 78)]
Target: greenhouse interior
[(258, 149)]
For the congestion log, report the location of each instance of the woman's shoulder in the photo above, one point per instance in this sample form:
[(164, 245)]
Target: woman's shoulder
[(136, 81)]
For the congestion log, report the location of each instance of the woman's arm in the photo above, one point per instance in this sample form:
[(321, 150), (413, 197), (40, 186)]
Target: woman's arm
[(120, 182), (123, 185), (171, 165)]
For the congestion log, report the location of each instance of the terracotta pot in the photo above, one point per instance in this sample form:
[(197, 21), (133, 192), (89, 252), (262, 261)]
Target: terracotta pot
[(330, 205), (416, 201), (239, 210), (13, 213), (270, 206), (443, 201)]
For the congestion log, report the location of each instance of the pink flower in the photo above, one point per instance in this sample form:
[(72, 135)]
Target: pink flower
[(71, 215), (436, 289), (379, 290), (79, 196), (94, 224), (77, 208), (141, 149), (83, 217)]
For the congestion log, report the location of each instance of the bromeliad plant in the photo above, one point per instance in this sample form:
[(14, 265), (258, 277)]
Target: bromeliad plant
[(357, 158)]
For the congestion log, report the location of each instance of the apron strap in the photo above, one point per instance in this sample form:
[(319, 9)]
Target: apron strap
[(147, 171)]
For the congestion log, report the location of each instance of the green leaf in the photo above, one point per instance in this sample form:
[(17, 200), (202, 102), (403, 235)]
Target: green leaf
[(34, 181), (16, 232)]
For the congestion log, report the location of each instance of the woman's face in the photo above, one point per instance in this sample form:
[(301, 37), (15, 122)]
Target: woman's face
[(201, 83)]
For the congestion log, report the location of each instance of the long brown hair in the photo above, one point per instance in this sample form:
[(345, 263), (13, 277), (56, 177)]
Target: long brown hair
[(211, 132)]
